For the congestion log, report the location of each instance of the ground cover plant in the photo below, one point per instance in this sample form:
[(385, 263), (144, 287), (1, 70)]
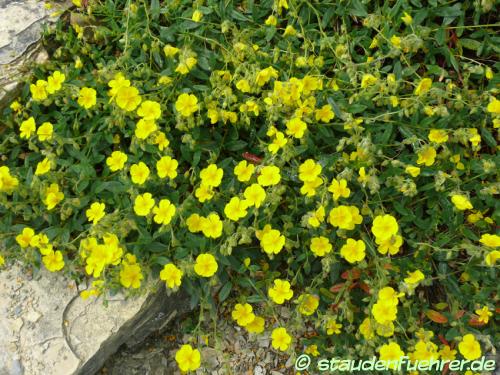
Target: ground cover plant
[(336, 158)]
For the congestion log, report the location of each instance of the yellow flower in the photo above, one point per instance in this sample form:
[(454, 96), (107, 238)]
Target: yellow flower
[(170, 51), (391, 352), (461, 202), (254, 195), (407, 19), (309, 187), (308, 304), (423, 86), (368, 80), (389, 245), (412, 171), (332, 327), (131, 276), (211, 176), (45, 131), (39, 90), (2, 261), (312, 350), (53, 196), (426, 156), (55, 81), (243, 314), (164, 212), (144, 128), (117, 83), (167, 167), (143, 204), (243, 171), (384, 313), (278, 143), (414, 277), (149, 110), (353, 251), (317, 217), (197, 16), (490, 240), (53, 261), (494, 106), (162, 141), (320, 246), (296, 127), (309, 170), (269, 175), (280, 291), (139, 173), (339, 189), (116, 161), (384, 226), (128, 98), (290, 31), (345, 217), (265, 75), (395, 41), (211, 226), (243, 85), (484, 314), (24, 239), (185, 65), (438, 136), (447, 354), (236, 209), (96, 212), (16, 106), (256, 326), (324, 113), (206, 265), (194, 223), (469, 347), (204, 193), (281, 340), (271, 20), (186, 104), (366, 329), (187, 358), (87, 97), (43, 167), (272, 242), (171, 275), (27, 128)]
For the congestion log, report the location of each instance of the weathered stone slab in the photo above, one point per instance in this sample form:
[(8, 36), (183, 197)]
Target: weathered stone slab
[(46, 328), (21, 25)]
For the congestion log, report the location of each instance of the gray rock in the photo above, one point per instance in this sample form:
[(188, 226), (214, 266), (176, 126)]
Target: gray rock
[(21, 26), (57, 332)]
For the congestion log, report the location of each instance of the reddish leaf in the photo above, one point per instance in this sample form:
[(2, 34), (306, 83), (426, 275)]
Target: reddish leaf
[(436, 317), (459, 314), (443, 340), (364, 287), (252, 157), (351, 274), (337, 288), (474, 321)]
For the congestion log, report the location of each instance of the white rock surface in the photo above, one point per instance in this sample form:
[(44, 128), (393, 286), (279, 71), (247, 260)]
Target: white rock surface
[(47, 329)]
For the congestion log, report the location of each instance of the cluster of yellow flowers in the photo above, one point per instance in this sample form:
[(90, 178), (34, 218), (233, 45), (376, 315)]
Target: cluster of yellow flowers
[(52, 259)]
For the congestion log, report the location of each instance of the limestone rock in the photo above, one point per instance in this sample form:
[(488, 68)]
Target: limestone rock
[(21, 25), (46, 328)]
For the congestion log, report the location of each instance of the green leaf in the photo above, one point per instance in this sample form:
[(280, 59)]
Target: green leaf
[(225, 290), (155, 9)]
